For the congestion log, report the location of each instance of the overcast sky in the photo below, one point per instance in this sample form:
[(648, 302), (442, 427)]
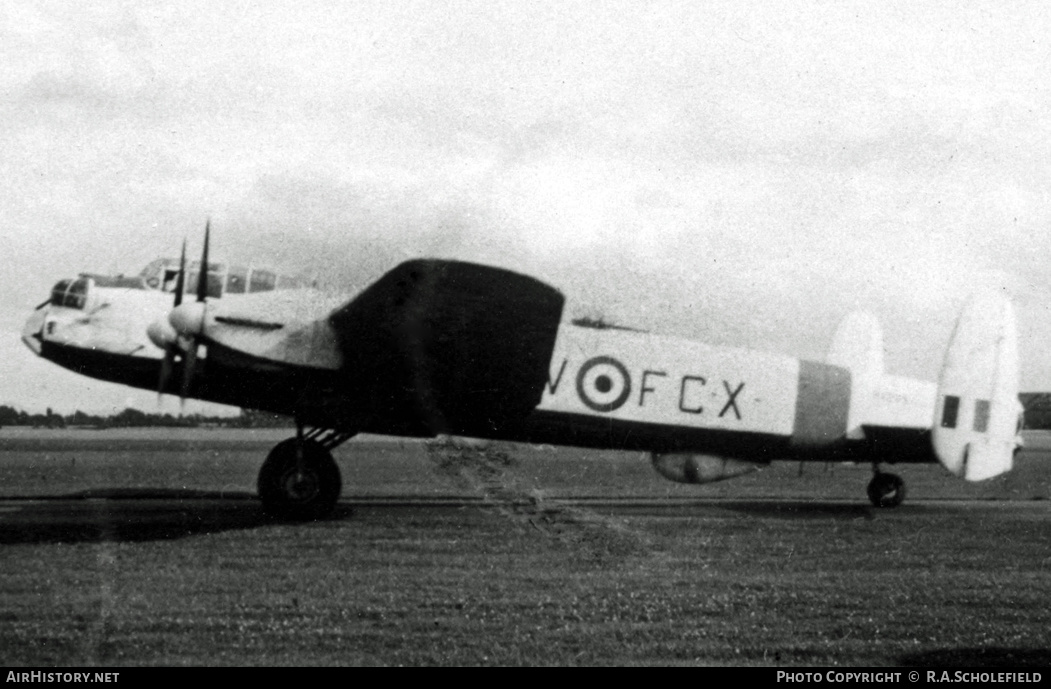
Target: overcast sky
[(740, 173)]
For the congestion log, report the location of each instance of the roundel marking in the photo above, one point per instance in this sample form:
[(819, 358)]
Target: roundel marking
[(603, 384)]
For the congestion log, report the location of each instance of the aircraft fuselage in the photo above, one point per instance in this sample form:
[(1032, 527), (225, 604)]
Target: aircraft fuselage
[(605, 388)]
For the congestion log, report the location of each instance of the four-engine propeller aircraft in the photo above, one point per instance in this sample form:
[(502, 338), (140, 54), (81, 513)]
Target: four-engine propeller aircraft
[(448, 347)]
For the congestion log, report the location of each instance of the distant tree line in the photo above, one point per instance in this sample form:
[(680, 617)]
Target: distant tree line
[(134, 418), (1037, 415), (1037, 410)]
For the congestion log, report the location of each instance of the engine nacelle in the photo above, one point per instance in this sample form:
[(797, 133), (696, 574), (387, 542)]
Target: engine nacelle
[(161, 333), (188, 318), (692, 468)]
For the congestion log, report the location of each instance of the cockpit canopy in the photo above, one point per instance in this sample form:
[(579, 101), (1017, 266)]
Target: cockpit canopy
[(163, 274)]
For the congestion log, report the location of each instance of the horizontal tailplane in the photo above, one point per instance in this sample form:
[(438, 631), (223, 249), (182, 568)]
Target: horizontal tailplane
[(977, 410)]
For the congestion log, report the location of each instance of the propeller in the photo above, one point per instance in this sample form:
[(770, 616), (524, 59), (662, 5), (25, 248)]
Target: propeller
[(170, 350), (184, 324), (161, 332), (188, 319)]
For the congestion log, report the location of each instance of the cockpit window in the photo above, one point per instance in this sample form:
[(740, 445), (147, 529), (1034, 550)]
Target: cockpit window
[(215, 284), (171, 276), (262, 281), (237, 280), (163, 274), (72, 294)]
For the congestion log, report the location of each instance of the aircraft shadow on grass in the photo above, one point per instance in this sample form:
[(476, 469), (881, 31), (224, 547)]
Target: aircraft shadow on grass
[(130, 515), (979, 657), (800, 509)]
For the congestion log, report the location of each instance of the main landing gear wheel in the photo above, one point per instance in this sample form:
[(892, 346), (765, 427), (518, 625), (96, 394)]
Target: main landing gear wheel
[(298, 487), (886, 490)]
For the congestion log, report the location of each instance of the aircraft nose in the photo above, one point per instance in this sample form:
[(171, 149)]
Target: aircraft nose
[(32, 330)]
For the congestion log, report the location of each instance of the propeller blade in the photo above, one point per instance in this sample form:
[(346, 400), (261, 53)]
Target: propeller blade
[(202, 274), (167, 363), (192, 331), (180, 281), (188, 365)]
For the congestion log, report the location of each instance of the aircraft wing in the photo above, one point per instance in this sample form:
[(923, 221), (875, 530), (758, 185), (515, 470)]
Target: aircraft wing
[(442, 346), (458, 345)]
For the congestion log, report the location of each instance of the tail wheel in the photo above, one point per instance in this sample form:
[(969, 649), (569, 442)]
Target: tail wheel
[(297, 488), (886, 490)]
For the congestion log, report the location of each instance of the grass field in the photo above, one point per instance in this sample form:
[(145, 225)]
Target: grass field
[(56, 463), (559, 557)]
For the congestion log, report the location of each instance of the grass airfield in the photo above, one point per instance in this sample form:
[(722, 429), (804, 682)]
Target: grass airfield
[(147, 547)]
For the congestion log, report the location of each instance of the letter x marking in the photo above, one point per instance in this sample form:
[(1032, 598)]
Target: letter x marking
[(732, 402)]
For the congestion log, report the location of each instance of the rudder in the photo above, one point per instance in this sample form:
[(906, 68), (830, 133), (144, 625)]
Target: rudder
[(976, 414), (858, 347)]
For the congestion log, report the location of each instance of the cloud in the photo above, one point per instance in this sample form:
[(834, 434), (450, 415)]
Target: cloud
[(728, 171)]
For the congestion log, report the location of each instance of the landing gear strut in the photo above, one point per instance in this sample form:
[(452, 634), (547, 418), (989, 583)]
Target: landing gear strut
[(886, 490), (299, 480)]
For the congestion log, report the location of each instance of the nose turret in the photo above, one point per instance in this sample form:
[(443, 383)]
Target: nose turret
[(70, 304), (73, 294), (32, 331)]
